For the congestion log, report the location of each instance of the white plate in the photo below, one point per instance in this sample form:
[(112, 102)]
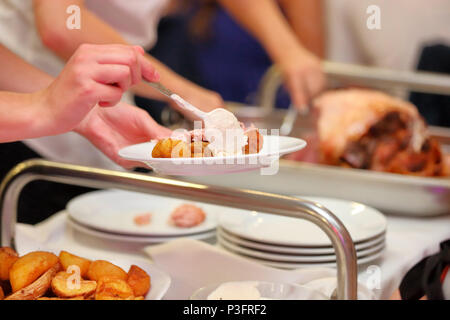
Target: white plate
[(273, 148), (362, 248), (291, 265), (290, 258), (362, 222), (136, 239), (113, 211)]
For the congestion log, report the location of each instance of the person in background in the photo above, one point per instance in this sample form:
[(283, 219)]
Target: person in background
[(413, 35), (223, 40)]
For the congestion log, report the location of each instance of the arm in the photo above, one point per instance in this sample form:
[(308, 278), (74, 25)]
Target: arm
[(50, 17), (19, 76), (94, 75), (306, 20), (301, 69)]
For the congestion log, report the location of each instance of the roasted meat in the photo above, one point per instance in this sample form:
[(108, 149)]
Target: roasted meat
[(367, 129)]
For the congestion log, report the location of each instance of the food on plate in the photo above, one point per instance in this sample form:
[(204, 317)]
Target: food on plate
[(210, 143), (71, 285), (30, 267), (255, 141), (41, 275), (143, 219), (101, 268), (67, 259), (187, 216), (113, 289), (7, 258), (37, 288), (170, 148), (367, 129), (58, 298), (138, 280)]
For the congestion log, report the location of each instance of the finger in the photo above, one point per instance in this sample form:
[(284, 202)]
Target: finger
[(297, 92), (149, 73), (107, 95), (316, 83), (125, 56), (113, 74), (151, 129)]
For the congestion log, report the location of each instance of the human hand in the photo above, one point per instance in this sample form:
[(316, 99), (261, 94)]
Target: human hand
[(95, 74), (303, 77), (111, 129)]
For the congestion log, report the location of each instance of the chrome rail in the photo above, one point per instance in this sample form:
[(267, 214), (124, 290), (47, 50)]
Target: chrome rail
[(31, 170)]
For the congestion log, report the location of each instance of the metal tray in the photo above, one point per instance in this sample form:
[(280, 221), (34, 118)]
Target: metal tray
[(390, 193)]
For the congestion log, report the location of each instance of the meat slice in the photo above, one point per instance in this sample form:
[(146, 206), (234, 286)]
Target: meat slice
[(187, 216)]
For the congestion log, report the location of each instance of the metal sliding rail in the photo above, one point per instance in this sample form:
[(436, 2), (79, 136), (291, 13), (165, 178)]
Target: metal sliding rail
[(31, 170)]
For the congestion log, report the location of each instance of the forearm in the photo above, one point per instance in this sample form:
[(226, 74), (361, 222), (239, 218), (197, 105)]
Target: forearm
[(19, 76), (267, 23), (50, 19), (23, 117), (306, 19)]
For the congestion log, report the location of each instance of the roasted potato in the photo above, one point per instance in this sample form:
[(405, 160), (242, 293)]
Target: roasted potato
[(7, 258), (30, 267), (57, 298), (169, 148), (66, 287), (255, 141), (67, 259), (138, 280), (113, 289), (38, 288), (200, 149), (101, 268), (6, 287)]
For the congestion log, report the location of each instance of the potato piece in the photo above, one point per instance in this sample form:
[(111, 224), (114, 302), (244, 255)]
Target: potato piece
[(30, 267), (2, 294), (7, 258), (113, 289), (6, 287), (255, 141), (138, 280), (101, 268), (67, 259), (57, 298), (200, 149), (65, 285), (38, 288), (169, 148)]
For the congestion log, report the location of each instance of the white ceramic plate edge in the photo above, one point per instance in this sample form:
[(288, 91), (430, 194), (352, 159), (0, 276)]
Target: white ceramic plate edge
[(292, 250), (115, 237)]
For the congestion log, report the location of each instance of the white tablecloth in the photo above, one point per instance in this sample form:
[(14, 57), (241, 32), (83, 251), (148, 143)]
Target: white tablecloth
[(408, 240)]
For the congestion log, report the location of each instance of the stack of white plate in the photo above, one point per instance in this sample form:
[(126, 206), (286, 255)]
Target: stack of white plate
[(109, 214), (291, 243)]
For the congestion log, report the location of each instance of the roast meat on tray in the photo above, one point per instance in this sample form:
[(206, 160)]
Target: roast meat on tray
[(368, 129)]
